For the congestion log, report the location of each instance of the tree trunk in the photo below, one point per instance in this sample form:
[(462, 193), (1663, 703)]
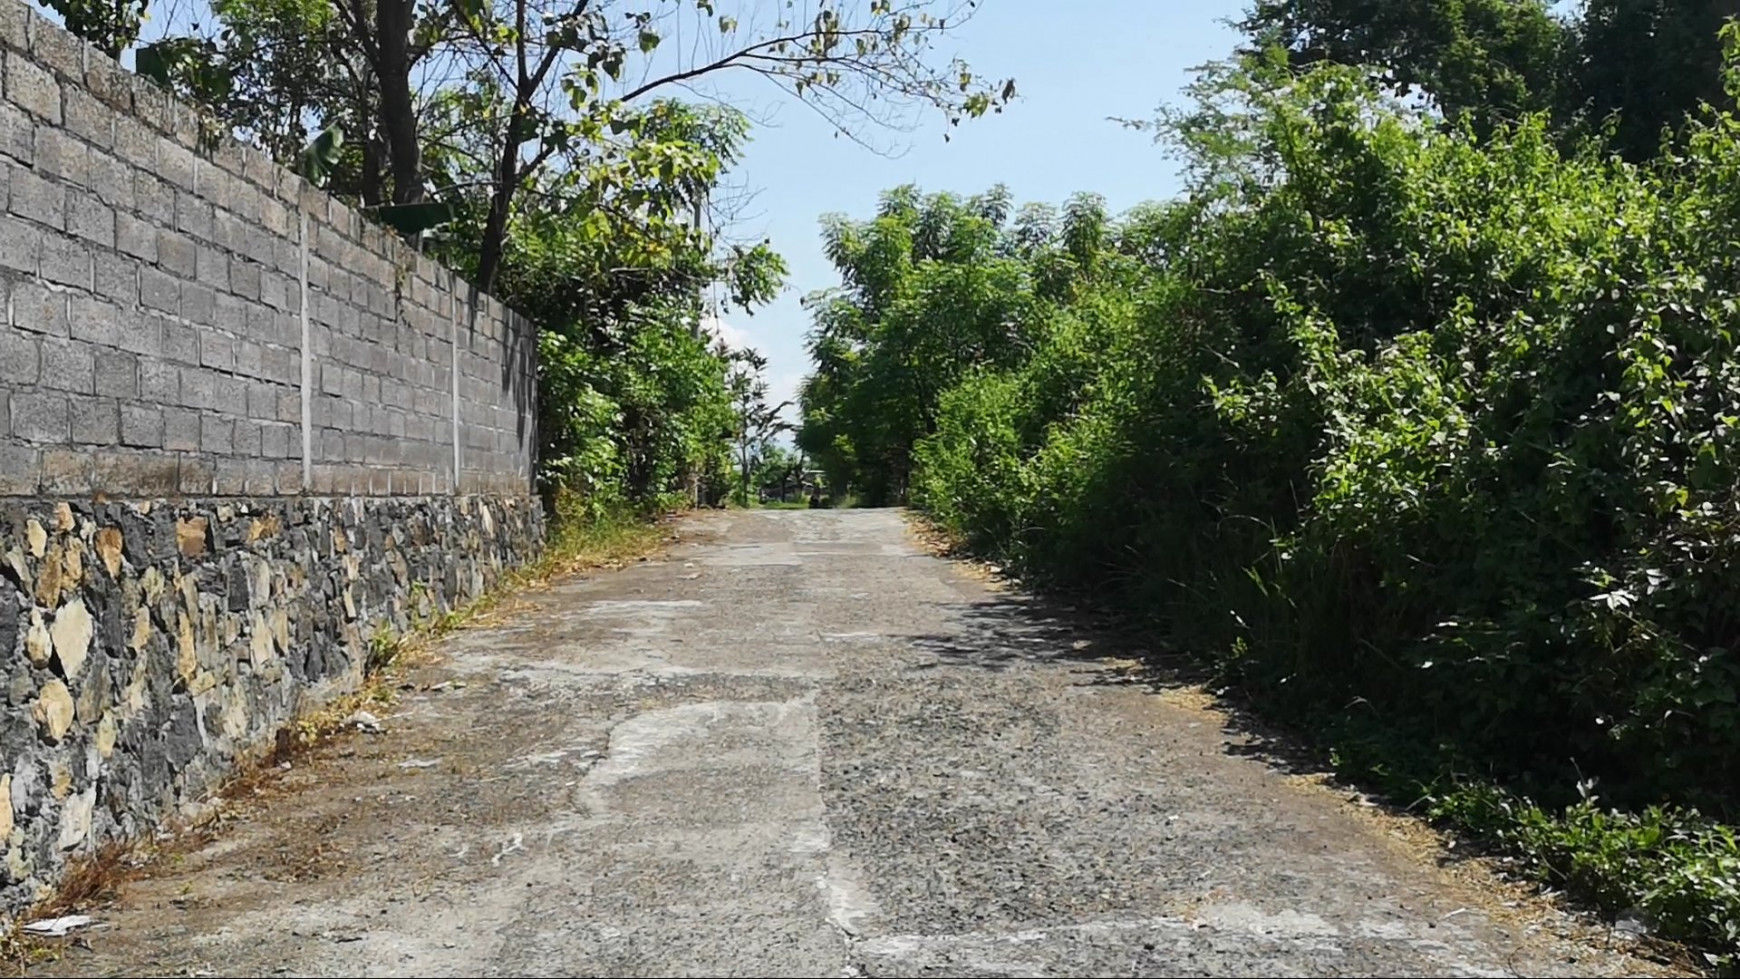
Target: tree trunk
[(398, 117), (507, 178)]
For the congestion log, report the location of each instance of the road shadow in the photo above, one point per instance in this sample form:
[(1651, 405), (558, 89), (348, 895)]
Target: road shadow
[(1016, 628)]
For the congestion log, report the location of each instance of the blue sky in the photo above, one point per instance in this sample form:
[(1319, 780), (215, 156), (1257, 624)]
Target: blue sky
[(1075, 64)]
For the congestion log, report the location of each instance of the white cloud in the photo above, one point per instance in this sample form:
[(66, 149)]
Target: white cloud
[(734, 338)]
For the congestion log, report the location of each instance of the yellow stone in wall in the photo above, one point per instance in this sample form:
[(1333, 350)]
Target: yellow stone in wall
[(73, 557), (109, 548), (72, 636), (37, 642), (106, 735), (141, 629), (186, 654), (37, 537), (54, 710)]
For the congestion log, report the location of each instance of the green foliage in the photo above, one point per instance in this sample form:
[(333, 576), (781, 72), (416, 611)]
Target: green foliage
[(1409, 430), (111, 25), (1628, 69)]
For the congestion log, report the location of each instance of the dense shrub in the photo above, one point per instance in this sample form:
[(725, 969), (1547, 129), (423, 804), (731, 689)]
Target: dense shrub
[(1408, 431)]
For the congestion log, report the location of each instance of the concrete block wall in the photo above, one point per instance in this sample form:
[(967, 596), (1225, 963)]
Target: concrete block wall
[(185, 317), (243, 434)]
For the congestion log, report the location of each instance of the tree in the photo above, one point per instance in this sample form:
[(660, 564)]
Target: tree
[(932, 288), (1481, 60), (560, 78), (757, 421), (111, 25), (1630, 68), (1647, 64)]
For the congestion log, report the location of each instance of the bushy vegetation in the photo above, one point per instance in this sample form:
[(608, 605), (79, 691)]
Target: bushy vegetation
[(1424, 437)]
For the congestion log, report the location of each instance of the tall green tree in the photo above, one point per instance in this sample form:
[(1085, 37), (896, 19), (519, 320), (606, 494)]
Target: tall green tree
[(1648, 64), (1485, 61)]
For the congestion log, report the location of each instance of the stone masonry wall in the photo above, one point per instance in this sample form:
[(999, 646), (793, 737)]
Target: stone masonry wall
[(241, 430), (153, 642)]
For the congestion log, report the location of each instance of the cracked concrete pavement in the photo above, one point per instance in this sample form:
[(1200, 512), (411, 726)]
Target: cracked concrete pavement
[(799, 745)]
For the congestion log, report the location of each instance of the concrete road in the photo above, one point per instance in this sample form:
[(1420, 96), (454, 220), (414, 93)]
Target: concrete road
[(798, 745)]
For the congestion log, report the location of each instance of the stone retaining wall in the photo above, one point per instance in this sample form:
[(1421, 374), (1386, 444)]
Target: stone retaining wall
[(154, 642)]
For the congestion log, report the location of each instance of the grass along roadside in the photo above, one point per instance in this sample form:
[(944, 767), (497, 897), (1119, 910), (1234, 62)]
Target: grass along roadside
[(1664, 875), (573, 545)]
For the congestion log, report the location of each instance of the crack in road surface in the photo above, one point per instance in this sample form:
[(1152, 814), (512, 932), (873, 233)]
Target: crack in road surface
[(801, 746)]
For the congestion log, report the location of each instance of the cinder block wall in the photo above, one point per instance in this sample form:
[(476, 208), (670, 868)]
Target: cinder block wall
[(191, 318), (243, 433)]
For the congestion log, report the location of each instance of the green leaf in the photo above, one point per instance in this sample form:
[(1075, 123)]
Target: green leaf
[(648, 41), (410, 219), (317, 159)]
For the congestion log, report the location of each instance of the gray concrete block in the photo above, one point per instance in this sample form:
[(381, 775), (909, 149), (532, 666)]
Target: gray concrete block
[(36, 197), (20, 245), (117, 278), (198, 303), (245, 279), (250, 359), (142, 425), (232, 393), (95, 420), (117, 373), (197, 476), (283, 365), (67, 261), (177, 253), (132, 472), (108, 82), (183, 126), (66, 472), (275, 441), (150, 102), (216, 433), (275, 289), (262, 400), (19, 465), (135, 142), (193, 215), (199, 388), (174, 164), (14, 18), (17, 134), (246, 440), (159, 290), (88, 217), (214, 268), (89, 117), (135, 237), (159, 382), (275, 217), (20, 358), (229, 313), (180, 342), (31, 87), (155, 199), (259, 169), (290, 404), (63, 155), (68, 365), (217, 350), (181, 429), (40, 416), (56, 49), (39, 309)]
